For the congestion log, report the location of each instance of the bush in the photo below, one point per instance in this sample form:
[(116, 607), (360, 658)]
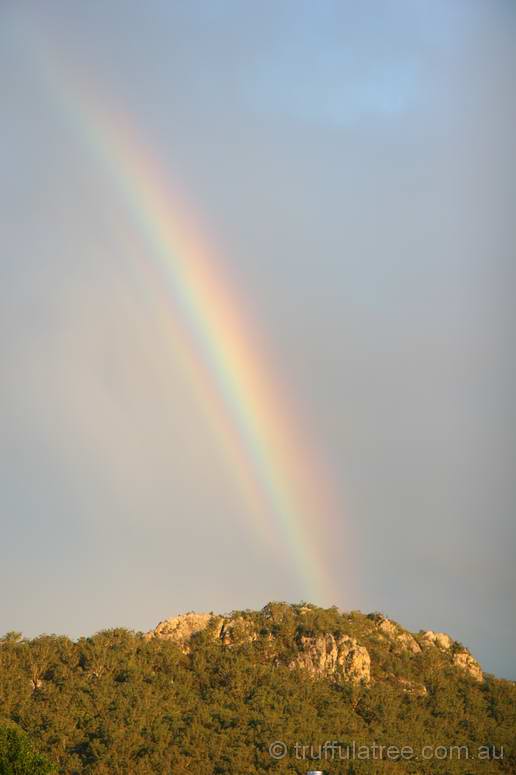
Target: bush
[(17, 757)]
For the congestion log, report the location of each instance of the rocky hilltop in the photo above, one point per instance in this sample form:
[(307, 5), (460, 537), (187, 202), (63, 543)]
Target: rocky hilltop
[(209, 694), (343, 646)]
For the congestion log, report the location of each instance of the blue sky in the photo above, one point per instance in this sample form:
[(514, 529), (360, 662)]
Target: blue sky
[(353, 164)]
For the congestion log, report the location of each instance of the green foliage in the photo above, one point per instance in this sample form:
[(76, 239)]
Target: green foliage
[(17, 757), (119, 703)]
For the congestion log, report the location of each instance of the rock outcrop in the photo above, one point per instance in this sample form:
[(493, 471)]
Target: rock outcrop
[(230, 631), (465, 661), (329, 654), (180, 629), (439, 639), (461, 657), (402, 639), (326, 655)]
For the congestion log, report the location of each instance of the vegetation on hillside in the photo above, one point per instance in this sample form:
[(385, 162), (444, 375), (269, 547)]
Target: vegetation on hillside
[(17, 755), (121, 703)]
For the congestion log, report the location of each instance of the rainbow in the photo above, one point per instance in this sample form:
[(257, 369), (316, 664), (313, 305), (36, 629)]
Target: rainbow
[(286, 490)]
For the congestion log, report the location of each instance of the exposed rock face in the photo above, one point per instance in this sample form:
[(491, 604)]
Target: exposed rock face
[(326, 655), (440, 639), (181, 628), (230, 631), (322, 655), (408, 642), (465, 661), (354, 660), (461, 657), (403, 639), (339, 657)]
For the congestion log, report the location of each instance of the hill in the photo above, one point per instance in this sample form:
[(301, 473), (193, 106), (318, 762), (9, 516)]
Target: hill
[(286, 689)]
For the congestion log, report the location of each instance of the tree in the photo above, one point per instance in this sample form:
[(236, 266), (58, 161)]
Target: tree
[(17, 757)]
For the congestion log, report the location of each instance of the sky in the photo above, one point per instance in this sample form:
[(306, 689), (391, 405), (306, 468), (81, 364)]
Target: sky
[(350, 170)]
